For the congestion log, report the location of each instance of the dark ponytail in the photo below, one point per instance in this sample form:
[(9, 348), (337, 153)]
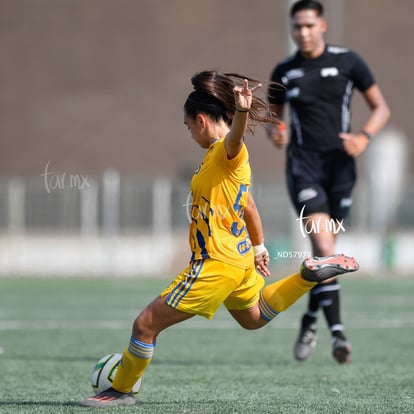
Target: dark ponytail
[(213, 95)]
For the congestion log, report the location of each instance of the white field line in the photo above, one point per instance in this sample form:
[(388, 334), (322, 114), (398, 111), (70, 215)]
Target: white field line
[(195, 324)]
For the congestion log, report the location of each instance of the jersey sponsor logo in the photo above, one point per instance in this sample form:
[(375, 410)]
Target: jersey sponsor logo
[(307, 194), (244, 246), (327, 72), (294, 74)]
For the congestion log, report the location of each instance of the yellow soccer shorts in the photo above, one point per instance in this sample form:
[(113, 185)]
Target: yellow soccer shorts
[(206, 284)]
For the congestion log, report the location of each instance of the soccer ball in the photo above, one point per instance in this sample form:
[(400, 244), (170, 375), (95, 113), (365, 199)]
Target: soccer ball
[(104, 371)]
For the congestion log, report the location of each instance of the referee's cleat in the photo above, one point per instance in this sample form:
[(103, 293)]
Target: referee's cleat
[(341, 350), (109, 398), (306, 342), (318, 269)]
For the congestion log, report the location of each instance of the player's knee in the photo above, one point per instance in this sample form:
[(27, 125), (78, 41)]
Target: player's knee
[(142, 328), (252, 325), (249, 326), (138, 327), (249, 319)]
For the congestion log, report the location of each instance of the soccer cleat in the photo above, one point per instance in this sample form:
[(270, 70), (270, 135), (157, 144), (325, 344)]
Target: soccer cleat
[(306, 342), (109, 398), (318, 269), (341, 350)]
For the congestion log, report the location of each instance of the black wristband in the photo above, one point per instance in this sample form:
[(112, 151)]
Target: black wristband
[(242, 110), (367, 134)]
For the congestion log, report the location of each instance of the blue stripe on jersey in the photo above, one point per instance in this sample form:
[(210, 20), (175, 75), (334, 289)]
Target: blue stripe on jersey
[(182, 288), (202, 244), (205, 255)]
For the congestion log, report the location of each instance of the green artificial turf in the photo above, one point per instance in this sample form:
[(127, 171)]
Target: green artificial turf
[(53, 331)]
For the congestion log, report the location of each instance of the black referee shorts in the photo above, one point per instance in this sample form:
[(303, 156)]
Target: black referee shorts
[(320, 182)]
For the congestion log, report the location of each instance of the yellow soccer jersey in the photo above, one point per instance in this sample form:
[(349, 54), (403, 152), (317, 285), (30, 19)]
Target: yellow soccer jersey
[(219, 190)]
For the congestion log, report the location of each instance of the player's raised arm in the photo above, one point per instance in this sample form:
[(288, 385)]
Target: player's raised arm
[(243, 100)]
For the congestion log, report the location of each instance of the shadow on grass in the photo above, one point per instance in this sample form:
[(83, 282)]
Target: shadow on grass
[(39, 403), (160, 361), (61, 358), (13, 403)]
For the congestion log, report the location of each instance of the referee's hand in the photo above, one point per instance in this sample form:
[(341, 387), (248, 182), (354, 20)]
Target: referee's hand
[(278, 135), (354, 144)]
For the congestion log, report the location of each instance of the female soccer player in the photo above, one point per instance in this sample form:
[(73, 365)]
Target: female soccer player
[(226, 238)]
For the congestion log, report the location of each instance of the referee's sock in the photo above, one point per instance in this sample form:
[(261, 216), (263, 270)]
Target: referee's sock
[(329, 300), (135, 360), (313, 304), (310, 317)]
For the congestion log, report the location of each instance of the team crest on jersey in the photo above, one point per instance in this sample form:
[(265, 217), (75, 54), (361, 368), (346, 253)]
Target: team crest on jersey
[(244, 246)]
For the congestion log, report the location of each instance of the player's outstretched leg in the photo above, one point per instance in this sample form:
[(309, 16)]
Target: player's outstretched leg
[(109, 398), (318, 269)]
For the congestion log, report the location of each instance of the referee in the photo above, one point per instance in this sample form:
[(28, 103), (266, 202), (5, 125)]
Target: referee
[(318, 82)]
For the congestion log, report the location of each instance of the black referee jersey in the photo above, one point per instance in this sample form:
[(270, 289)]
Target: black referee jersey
[(319, 92)]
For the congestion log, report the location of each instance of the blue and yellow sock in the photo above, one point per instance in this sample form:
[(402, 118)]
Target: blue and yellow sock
[(135, 360), (278, 296)]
